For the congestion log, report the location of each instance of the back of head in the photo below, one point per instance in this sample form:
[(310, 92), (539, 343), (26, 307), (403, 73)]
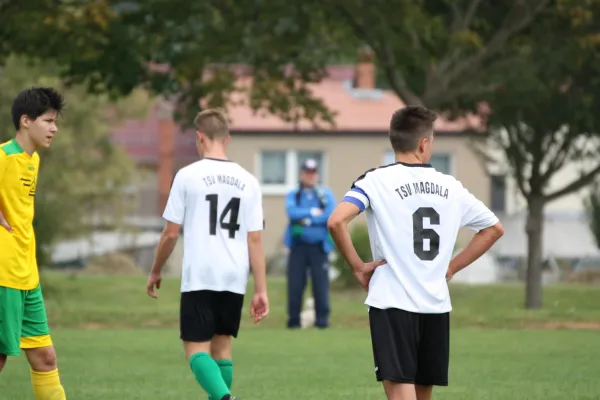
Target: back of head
[(213, 124), (409, 126), (35, 102)]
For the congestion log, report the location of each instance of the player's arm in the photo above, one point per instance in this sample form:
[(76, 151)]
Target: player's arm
[(353, 203), (3, 222), (293, 211), (166, 245), (174, 215), (476, 216), (259, 308), (327, 211), (257, 261), (254, 215)]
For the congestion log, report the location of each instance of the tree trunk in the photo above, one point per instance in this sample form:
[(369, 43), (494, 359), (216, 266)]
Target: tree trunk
[(534, 229)]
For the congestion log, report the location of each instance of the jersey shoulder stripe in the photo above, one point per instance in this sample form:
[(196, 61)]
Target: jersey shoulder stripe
[(11, 147), (358, 197)]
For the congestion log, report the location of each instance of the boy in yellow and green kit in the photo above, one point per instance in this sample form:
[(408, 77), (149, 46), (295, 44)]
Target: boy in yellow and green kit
[(23, 322)]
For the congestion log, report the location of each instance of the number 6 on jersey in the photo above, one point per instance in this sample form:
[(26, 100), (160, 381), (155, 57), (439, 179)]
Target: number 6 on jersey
[(420, 233)]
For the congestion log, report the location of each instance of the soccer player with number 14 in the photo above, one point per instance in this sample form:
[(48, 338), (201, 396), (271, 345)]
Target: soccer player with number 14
[(413, 216), (219, 205)]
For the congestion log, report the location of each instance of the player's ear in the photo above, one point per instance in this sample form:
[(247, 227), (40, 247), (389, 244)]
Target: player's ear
[(201, 137), (423, 145), (25, 121)]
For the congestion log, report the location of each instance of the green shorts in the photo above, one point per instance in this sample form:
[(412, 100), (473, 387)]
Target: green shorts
[(23, 321)]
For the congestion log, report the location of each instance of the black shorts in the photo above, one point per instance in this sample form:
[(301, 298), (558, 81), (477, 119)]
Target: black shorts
[(205, 313), (410, 347)]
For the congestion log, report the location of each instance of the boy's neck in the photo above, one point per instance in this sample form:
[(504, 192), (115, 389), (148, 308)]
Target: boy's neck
[(215, 151), (216, 155), (26, 144), (408, 158)]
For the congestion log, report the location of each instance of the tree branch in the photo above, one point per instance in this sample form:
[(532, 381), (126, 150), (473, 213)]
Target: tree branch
[(396, 80), (470, 13), (386, 58), (516, 158), (459, 22), (456, 18), (561, 155), (513, 23), (536, 183), (574, 186)]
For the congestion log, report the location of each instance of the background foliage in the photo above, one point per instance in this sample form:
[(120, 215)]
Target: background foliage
[(83, 172)]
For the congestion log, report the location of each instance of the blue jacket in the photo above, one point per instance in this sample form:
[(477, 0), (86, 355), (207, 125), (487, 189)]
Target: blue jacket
[(298, 206)]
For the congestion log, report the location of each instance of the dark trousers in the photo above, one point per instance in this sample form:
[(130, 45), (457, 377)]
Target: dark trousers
[(304, 257)]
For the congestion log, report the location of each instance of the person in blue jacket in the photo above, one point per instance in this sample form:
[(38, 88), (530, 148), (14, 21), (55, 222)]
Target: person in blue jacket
[(308, 208)]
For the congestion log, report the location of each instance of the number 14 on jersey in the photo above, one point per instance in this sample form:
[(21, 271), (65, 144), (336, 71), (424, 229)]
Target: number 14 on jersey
[(232, 208)]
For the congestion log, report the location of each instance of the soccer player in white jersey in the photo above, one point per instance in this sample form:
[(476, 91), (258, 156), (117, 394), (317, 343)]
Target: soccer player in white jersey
[(219, 205), (413, 215)]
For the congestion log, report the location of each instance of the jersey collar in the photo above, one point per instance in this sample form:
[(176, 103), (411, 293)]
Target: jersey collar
[(20, 150), (216, 159), (413, 165)]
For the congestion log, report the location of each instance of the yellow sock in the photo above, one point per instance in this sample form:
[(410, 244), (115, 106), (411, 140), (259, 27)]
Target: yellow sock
[(46, 386)]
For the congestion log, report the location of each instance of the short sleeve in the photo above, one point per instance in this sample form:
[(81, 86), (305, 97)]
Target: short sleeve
[(175, 209), (359, 193), (3, 164), (254, 209), (474, 214)]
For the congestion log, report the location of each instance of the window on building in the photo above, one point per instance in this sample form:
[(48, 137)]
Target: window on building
[(389, 158), (278, 170), (498, 195), (273, 167), (440, 161)]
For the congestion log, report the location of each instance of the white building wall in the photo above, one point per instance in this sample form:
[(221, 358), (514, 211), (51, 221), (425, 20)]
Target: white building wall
[(515, 202)]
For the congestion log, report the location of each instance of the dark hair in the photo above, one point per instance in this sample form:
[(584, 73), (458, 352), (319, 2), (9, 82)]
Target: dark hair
[(408, 126), (34, 102)]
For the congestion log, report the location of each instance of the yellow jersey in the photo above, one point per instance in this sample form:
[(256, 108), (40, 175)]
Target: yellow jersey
[(18, 181)]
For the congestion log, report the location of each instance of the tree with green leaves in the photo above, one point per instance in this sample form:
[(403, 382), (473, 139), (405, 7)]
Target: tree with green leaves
[(184, 50), (546, 118), (83, 167), (533, 63)]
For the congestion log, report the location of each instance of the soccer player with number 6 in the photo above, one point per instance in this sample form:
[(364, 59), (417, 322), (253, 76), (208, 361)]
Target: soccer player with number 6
[(413, 215), (219, 205)]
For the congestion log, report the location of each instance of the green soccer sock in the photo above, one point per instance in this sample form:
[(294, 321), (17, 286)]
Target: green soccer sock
[(226, 367), (208, 375)]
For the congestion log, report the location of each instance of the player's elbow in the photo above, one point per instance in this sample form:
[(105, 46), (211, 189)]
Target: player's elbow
[(171, 231), (171, 235), (499, 228), (496, 231), (254, 239), (335, 222)]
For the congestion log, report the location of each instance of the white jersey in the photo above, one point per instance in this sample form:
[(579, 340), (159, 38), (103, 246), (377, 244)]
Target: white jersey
[(218, 202), (413, 216)]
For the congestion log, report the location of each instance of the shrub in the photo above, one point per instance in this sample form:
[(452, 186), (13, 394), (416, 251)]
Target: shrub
[(587, 276), (116, 264)]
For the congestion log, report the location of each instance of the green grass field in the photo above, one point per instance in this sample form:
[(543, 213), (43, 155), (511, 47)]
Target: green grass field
[(114, 342)]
